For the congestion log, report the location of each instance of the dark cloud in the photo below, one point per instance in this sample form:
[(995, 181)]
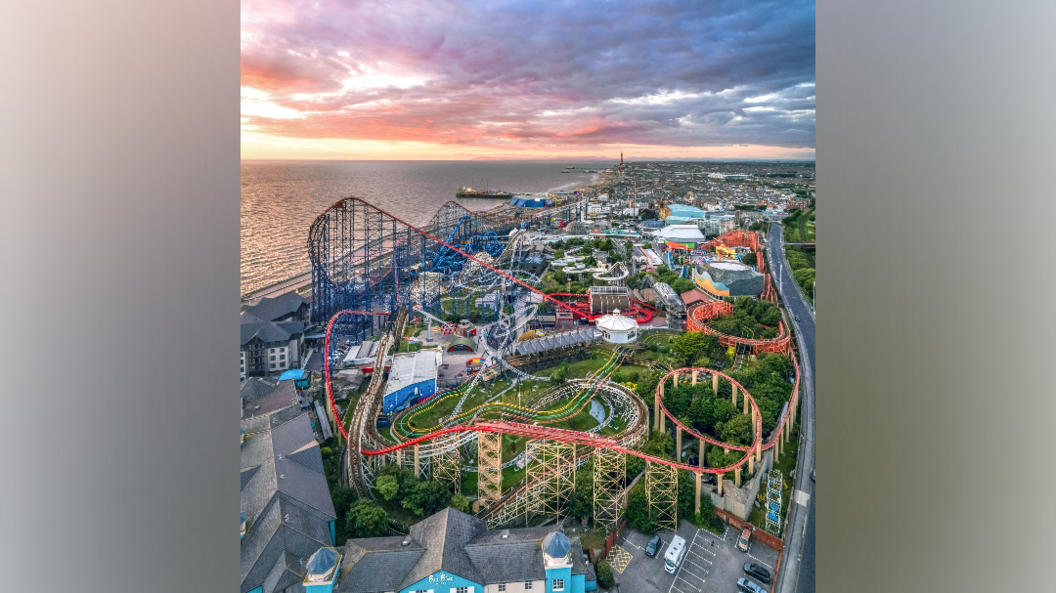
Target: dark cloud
[(536, 73)]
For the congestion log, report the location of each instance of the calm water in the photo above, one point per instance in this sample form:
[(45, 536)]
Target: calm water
[(280, 199)]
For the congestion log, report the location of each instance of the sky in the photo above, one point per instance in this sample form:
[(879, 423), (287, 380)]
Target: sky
[(437, 79)]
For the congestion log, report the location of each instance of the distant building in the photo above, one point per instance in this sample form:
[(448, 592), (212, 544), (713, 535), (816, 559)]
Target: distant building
[(288, 514), (457, 553), (412, 378), (681, 236)]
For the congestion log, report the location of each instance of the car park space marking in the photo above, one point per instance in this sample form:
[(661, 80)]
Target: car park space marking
[(619, 558), (678, 571), (697, 565), (693, 587), (702, 559), (760, 562)]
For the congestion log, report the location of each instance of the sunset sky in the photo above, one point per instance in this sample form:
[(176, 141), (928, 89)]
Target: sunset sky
[(437, 79)]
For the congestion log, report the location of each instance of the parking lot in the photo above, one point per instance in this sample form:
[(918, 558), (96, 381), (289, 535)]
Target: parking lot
[(711, 562)]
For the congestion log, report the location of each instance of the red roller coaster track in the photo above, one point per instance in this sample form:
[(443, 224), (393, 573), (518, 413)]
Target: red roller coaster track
[(567, 436)]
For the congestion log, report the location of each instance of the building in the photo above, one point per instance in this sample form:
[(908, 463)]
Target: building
[(285, 307), (412, 378), (727, 278), (269, 347), (287, 511), (455, 552), (681, 236), (683, 214), (617, 329), (665, 297), (262, 396), (462, 344)]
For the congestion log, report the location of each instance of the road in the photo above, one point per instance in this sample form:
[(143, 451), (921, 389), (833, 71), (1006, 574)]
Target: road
[(798, 564)]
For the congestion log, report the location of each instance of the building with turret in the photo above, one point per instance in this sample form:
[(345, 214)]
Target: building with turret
[(452, 552)]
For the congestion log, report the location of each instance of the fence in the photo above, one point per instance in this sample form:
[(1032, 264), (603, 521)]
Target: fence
[(757, 532), (610, 541)]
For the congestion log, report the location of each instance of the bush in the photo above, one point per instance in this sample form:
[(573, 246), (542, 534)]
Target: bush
[(605, 578)]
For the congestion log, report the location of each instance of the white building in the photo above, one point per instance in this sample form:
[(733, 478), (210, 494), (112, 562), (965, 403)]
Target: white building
[(617, 329)]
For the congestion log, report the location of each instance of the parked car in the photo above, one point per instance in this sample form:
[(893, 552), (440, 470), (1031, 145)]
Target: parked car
[(749, 586), (653, 546), (742, 542), (757, 571)]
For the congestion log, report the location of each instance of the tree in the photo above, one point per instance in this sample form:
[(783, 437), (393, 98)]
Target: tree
[(738, 430), (749, 259), (366, 520), (688, 346), (559, 376), (427, 498), (638, 509), (460, 503), (681, 285), (605, 577), (388, 486), (342, 499)]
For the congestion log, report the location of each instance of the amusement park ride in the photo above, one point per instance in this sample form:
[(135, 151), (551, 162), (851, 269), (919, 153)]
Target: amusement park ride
[(371, 270)]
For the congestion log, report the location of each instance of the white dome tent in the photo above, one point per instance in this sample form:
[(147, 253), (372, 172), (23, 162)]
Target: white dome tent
[(617, 329)]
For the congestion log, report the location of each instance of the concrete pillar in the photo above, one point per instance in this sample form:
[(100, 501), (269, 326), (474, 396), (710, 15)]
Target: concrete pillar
[(777, 449), (678, 443), (715, 383), (719, 482), (726, 450), (417, 464), (744, 398), (759, 451), (399, 457), (754, 414), (734, 394), (700, 457), (696, 507), (751, 462), (675, 379), (694, 377), (737, 477), (663, 422)]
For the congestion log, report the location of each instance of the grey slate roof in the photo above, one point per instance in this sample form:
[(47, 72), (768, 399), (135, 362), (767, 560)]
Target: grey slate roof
[(269, 332), (552, 341), (272, 308), (456, 543), (286, 498), (377, 564), (262, 396)]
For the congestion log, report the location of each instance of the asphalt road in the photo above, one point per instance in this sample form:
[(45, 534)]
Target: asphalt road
[(798, 565)]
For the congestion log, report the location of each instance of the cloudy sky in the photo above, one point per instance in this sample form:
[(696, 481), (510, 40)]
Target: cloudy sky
[(439, 79)]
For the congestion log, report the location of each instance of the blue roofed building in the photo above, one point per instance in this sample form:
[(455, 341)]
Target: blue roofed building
[(452, 552), (412, 378)]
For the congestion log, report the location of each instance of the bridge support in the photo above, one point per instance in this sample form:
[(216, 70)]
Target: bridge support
[(696, 505), (675, 379), (694, 377), (417, 463), (751, 462), (555, 474), (610, 467), (719, 482), (700, 457), (733, 387), (399, 458), (447, 466), (745, 399), (489, 467), (661, 486), (678, 443), (737, 476), (715, 383)]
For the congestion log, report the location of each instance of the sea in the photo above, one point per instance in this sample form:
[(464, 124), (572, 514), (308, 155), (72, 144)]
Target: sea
[(280, 199)]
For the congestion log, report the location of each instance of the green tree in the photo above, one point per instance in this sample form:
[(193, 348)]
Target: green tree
[(688, 346), (365, 519), (638, 509), (749, 259), (388, 486), (605, 577), (681, 285), (738, 430), (427, 498), (343, 498), (559, 376), (460, 503)]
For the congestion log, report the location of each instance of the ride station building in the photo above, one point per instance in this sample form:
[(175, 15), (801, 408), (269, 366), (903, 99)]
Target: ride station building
[(452, 552), (412, 378)]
